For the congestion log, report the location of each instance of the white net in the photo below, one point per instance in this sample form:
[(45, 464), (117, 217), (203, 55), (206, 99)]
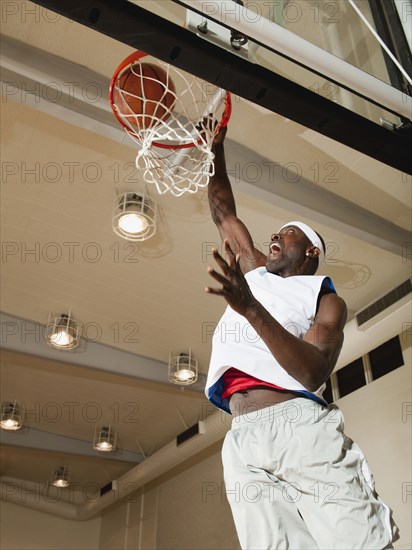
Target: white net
[(171, 116)]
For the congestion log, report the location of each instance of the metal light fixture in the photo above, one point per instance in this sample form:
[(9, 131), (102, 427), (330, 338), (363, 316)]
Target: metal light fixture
[(134, 216), (183, 368), (105, 440), (61, 477), (63, 332), (11, 416)]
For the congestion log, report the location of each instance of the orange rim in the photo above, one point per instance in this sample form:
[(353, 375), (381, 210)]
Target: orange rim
[(132, 58)]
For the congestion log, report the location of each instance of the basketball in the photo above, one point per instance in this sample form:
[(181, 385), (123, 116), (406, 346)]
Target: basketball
[(144, 93)]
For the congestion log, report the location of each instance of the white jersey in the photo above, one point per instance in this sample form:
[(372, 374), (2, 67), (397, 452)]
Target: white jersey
[(292, 302)]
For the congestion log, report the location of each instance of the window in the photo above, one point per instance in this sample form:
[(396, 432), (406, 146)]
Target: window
[(386, 358), (383, 359), (327, 394), (351, 377)]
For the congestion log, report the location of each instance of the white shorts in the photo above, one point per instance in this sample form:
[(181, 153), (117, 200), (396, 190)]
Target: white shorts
[(295, 481)]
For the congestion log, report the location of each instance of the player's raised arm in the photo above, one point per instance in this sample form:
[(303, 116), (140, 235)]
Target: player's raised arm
[(223, 210)]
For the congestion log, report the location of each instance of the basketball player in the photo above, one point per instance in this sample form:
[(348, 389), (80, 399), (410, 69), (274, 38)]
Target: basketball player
[(293, 479)]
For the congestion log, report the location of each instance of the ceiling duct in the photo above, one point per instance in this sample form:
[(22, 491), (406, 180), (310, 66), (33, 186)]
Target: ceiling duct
[(198, 428), (21, 492), (383, 306)]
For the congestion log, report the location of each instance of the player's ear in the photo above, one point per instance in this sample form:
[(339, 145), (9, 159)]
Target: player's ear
[(312, 251)]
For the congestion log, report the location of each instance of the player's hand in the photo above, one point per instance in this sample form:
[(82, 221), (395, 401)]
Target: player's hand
[(235, 288), (220, 136), (208, 125)]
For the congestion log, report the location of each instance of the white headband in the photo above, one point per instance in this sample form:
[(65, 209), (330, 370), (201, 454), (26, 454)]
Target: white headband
[(312, 236)]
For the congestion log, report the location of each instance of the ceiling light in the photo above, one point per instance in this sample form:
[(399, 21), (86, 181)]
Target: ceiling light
[(183, 368), (63, 332), (105, 440), (134, 216), (61, 477), (11, 416)]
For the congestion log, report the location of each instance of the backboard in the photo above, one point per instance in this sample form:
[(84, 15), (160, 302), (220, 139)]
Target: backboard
[(354, 55), (340, 50)]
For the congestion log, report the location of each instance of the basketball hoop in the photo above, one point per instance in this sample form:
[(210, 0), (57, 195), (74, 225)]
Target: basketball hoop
[(171, 115)]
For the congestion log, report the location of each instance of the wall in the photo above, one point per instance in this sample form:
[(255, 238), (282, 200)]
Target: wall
[(184, 509), (132, 523), (192, 509), (27, 529), (378, 417)]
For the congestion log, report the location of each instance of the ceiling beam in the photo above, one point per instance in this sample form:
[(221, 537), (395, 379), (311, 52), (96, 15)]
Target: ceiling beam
[(31, 438), (309, 200), (141, 29), (24, 336), (58, 87)]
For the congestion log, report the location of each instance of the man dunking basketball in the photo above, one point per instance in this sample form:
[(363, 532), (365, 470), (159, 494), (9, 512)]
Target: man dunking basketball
[(293, 479)]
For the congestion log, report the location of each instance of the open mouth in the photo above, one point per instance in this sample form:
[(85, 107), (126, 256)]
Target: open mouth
[(274, 248)]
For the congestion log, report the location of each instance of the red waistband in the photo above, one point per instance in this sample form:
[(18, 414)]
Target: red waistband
[(235, 380)]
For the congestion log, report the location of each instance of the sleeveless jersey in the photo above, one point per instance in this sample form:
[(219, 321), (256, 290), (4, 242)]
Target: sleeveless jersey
[(292, 302)]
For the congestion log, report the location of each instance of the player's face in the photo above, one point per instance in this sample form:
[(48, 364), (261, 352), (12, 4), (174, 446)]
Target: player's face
[(287, 250)]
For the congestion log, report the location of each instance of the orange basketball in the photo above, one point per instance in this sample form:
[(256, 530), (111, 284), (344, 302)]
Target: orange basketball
[(146, 93)]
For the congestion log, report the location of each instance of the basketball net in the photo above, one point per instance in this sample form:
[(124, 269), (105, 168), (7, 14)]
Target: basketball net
[(175, 150)]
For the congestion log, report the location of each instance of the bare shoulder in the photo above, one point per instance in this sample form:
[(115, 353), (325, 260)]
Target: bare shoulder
[(326, 332), (332, 309)]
